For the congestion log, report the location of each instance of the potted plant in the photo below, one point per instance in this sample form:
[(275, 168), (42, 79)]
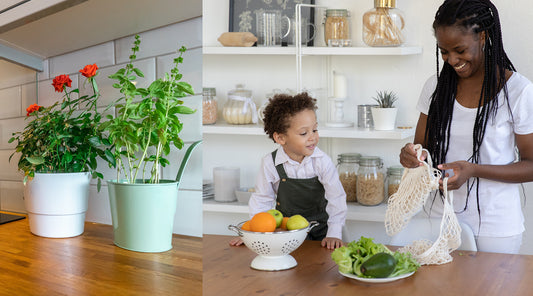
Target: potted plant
[(58, 150), (142, 132), (384, 115)]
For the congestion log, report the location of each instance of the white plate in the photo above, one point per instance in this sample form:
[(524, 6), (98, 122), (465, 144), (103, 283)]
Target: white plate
[(377, 280)]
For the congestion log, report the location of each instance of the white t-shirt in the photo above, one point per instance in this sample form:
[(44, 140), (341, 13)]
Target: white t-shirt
[(499, 202), (318, 164)]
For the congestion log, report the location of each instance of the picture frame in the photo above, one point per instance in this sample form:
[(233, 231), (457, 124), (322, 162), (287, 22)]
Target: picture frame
[(242, 14)]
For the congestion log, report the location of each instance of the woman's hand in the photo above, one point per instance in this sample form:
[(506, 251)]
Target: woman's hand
[(462, 171), (408, 157)]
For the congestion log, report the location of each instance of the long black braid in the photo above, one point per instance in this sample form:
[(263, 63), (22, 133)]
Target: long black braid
[(475, 16)]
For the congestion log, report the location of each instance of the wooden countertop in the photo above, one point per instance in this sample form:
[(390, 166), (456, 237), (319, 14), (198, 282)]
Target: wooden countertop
[(227, 272), (90, 264)]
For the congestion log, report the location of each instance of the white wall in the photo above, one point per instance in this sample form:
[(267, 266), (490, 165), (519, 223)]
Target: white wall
[(366, 74), (157, 51)]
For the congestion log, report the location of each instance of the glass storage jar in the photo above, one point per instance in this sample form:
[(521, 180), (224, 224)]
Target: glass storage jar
[(209, 106), (337, 28), (240, 108), (347, 166), (384, 24), (370, 181), (394, 177)]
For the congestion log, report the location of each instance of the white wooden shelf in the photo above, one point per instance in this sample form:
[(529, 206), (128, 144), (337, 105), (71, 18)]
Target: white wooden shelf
[(356, 212), (325, 132), (326, 51)]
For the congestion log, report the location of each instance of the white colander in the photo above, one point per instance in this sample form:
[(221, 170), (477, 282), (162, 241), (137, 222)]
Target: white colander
[(273, 248)]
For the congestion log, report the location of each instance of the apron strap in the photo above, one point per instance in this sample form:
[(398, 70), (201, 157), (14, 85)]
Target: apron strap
[(281, 171)]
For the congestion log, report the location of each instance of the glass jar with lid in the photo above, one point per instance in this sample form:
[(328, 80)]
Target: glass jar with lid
[(240, 108), (370, 181), (394, 177), (347, 166), (337, 28), (384, 24), (209, 106)]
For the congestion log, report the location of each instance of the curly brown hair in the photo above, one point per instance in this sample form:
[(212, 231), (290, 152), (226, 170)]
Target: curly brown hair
[(281, 108)]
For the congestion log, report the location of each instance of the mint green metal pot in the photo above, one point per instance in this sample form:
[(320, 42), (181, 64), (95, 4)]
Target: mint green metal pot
[(143, 214)]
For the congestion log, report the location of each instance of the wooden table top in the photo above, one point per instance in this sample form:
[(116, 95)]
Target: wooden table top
[(90, 264), (227, 271)]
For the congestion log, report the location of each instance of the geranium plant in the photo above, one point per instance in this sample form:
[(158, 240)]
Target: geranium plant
[(146, 124), (64, 137)]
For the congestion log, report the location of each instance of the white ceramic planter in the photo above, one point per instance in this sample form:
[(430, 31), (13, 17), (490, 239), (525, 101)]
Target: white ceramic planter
[(56, 204), (384, 118)]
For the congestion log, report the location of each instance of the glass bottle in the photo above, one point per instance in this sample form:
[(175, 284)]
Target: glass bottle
[(394, 177), (337, 28), (370, 181), (240, 108), (384, 24), (347, 166), (209, 106)]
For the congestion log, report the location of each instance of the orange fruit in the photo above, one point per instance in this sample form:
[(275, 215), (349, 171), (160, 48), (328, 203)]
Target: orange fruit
[(263, 222), (246, 226), (284, 223)]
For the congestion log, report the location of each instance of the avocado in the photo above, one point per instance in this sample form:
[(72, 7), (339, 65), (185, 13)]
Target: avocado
[(380, 265)]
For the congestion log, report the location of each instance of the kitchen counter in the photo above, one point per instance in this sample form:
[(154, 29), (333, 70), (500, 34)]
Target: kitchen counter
[(227, 271), (90, 264)]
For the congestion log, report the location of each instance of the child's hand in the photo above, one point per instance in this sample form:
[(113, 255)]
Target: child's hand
[(331, 243), (236, 241)]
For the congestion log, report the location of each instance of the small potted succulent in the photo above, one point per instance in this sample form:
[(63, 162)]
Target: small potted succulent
[(58, 150), (145, 127), (384, 114)]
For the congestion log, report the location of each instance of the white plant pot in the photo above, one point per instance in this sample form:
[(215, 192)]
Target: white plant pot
[(56, 203), (384, 118)]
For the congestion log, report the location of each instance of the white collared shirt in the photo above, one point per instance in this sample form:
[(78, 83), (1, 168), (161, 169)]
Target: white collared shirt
[(318, 164)]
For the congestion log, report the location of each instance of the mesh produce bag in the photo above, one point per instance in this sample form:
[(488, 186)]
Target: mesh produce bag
[(407, 202)]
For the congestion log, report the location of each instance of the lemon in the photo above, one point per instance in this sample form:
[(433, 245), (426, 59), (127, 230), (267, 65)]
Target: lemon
[(297, 222)]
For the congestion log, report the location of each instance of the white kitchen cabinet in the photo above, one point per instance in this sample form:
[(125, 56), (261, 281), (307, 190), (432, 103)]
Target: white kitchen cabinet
[(263, 69)]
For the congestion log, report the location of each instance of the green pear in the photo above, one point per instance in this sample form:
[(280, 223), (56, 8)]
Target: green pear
[(297, 222), (277, 215)]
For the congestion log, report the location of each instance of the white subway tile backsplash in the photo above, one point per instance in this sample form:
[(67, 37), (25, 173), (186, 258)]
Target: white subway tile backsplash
[(29, 96), (163, 40), (7, 128), (10, 102), (47, 94), (98, 208), (192, 176), (12, 196), (9, 171), (12, 74), (102, 55)]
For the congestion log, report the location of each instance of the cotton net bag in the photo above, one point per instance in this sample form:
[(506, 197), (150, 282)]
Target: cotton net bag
[(414, 189)]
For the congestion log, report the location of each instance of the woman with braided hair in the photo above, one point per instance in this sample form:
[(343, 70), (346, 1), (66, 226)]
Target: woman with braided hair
[(476, 122)]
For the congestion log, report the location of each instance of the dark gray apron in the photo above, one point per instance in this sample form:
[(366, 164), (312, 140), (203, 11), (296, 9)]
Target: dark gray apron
[(305, 197)]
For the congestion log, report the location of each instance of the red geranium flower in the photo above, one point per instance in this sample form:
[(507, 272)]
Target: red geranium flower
[(89, 70), (60, 82), (32, 108)]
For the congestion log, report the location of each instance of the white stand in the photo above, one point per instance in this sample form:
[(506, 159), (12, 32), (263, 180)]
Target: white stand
[(337, 114)]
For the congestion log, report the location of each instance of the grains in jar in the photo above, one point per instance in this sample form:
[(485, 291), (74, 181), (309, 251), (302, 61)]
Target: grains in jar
[(370, 181), (209, 106), (337, 28)]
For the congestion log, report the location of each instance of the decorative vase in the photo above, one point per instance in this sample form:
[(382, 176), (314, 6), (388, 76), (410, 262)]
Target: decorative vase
[(384, 118), (56, 203), (143, 214)]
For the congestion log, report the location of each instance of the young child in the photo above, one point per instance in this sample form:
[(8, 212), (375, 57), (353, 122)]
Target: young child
[(298, 178)]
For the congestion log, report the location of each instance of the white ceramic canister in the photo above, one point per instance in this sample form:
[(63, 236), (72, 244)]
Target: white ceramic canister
[(226, 180)]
